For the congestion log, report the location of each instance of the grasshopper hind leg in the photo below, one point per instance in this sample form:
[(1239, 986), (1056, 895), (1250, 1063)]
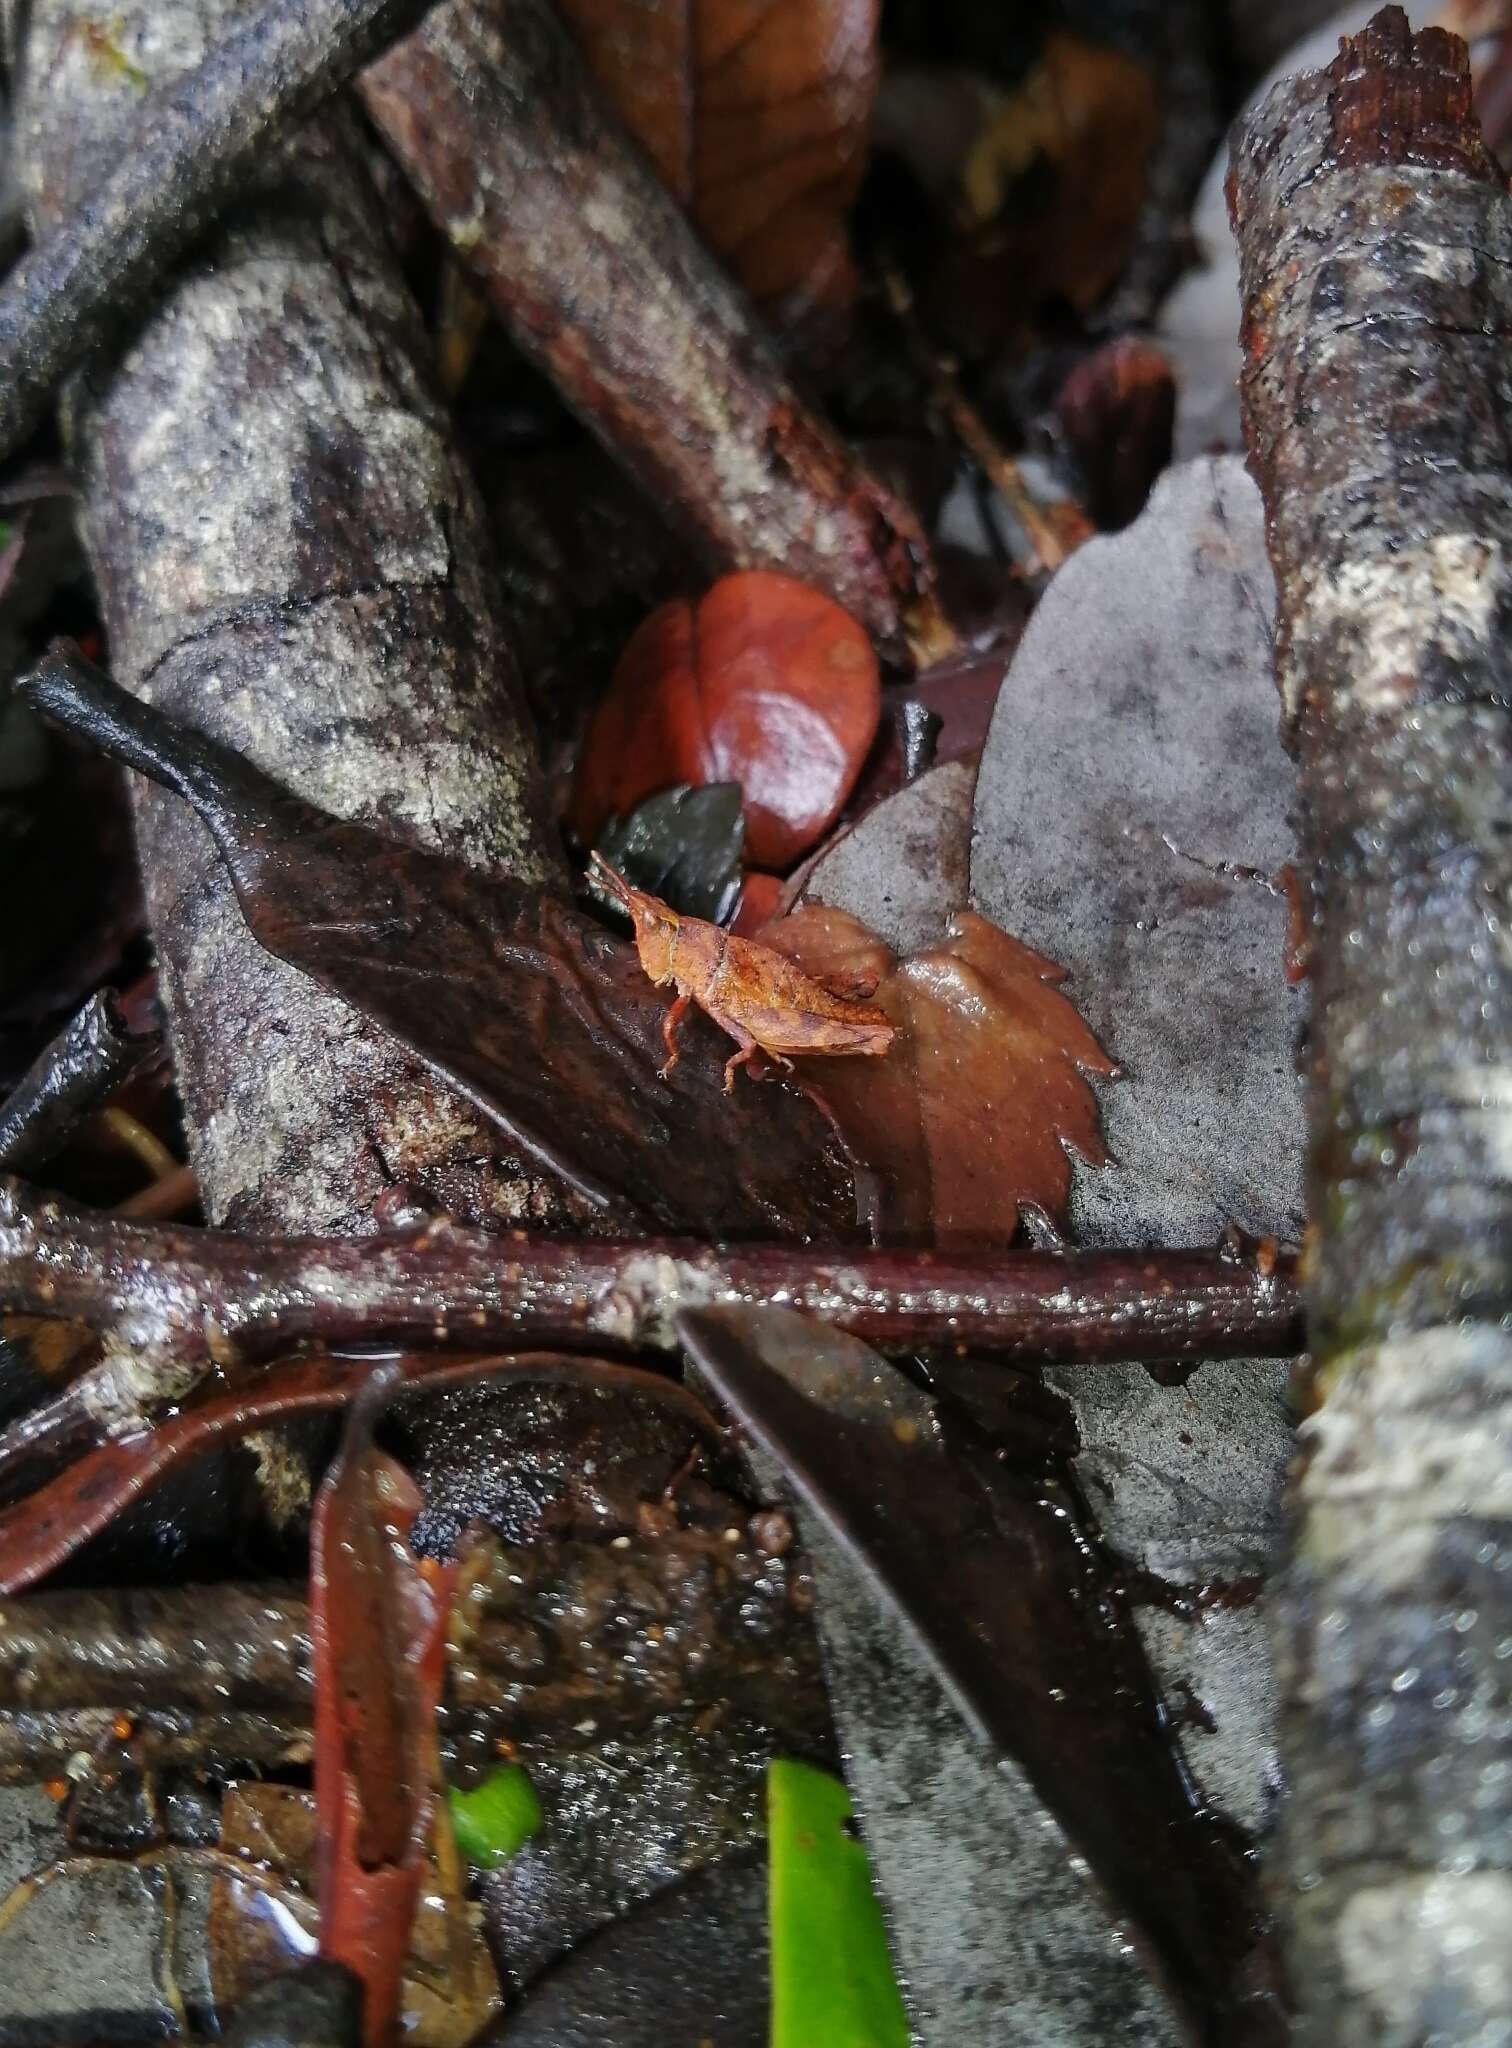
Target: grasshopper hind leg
[(749, 1047), (670, 1022)]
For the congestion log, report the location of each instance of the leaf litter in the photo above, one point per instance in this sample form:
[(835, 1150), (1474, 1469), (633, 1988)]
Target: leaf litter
[(730, 718)]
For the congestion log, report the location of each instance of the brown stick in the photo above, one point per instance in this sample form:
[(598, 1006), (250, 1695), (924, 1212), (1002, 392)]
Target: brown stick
[(598, 275), (1375, 234), (172, 1292)]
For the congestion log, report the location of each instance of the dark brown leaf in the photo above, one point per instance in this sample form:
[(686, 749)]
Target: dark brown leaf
[(532, 1011), (755, 113)]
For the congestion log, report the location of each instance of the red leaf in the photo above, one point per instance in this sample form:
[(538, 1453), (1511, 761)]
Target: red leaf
[(765, 683), (39, 1533), (378, 1633), (760, 899)]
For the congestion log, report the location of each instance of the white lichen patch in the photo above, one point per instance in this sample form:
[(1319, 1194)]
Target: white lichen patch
[(1416, 1428), (1404, 1944), (1397, 607), (650, 1292)]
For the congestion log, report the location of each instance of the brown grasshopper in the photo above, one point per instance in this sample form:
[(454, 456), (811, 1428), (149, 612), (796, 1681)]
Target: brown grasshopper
[(764, 1002)]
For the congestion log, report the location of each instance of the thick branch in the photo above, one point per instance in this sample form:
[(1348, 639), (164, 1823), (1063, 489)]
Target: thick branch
[(598, 275), (1376, 238), (188, 152), (175, 1292), (290, 557), (92, 1056)]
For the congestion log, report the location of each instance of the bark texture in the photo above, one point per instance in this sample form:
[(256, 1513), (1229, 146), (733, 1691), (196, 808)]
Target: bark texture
[(291, 558), (168, 1293), (602, 280), (190, 149), (1376, 238)]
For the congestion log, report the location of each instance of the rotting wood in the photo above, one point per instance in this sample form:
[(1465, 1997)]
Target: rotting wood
[(1376, 241), (598, 276), (191, 149), (291, 557)]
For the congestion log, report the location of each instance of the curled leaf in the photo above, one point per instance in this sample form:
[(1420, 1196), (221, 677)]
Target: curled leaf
[(56, 1520), (378, 1631), (764, 682), (983, 1096), (755, 114)]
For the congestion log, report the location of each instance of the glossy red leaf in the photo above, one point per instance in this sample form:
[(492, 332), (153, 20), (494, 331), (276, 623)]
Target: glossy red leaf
[(764, 682)]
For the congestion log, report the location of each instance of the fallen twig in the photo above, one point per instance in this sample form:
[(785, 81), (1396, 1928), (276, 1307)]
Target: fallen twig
[(179, 1294), (1375, 233), (191, 148), (598, 275), (92, 1056)]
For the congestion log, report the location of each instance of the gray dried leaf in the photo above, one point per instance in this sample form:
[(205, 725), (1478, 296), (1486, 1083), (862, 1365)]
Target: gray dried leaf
[(1131, 818)]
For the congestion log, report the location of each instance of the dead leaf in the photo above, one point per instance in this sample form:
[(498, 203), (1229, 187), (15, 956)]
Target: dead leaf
[(1132, 810), (272, 1828), (533, 1012), (755, 114), (1039, 189), (378, 1640), (983, 1096), (763, 682)]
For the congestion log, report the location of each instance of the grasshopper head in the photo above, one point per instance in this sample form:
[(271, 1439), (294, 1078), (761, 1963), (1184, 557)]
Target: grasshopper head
[(655, 925)]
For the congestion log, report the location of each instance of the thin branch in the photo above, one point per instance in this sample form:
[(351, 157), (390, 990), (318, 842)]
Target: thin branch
[(92, 1056), (193, 144), (179, 1294)]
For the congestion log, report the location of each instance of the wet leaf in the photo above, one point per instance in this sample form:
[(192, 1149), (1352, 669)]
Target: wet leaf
[(832, 1975), (530, 1010), (763, 682), (983, 1096), (446, 1996), (684, 846), (1027, 1635), (755, 114), (1132, 813), (378, 1639), (60, 1517), (494, 1820)]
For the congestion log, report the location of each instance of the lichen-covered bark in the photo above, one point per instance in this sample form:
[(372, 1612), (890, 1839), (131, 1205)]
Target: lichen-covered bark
[(600, 278), (190, 149), (1376, 238), (289, 556)]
